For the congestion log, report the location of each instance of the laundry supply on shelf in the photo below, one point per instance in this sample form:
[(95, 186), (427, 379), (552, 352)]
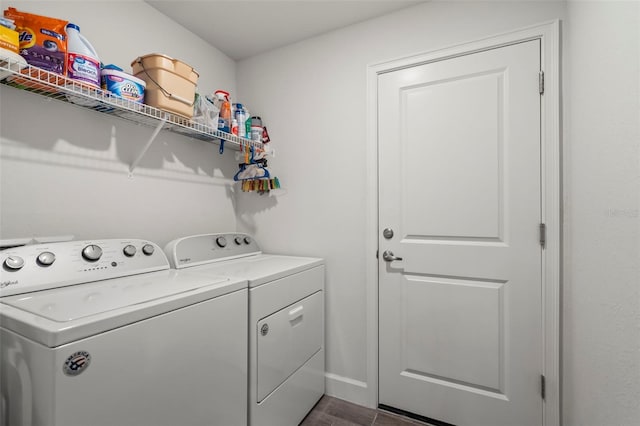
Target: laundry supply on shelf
[(9, 39), (83, 63), (171, 83), (42, 39), (205, 111), (7, 23), (234, 127), (256, 128), (247, 122), (241, 117), (121, 84), (224, 118)]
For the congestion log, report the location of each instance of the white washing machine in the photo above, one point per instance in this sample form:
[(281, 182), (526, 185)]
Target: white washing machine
[(286, 320), (104, 333)]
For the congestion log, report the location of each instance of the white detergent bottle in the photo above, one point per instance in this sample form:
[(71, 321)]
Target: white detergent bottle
[(83, 63)]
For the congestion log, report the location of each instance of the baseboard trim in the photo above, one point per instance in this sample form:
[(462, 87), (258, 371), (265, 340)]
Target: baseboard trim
[(347, 389)]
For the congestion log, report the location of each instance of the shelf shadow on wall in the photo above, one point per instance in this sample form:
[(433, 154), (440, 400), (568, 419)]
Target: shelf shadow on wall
[(77, 137)]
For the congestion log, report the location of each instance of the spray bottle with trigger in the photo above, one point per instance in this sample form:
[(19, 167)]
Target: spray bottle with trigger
[(224, 118)]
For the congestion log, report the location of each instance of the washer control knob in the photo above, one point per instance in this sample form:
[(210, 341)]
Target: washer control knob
[(129, 250), (46, 258), (92, 252), (148, 249), (247, 240), (14, 263), (221, 241), (238, 240)]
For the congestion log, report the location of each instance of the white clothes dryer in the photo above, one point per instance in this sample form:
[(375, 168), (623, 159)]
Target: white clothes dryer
[(286, 320), (104, 333)]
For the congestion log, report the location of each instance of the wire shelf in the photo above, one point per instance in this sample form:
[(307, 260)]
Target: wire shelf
[(15, 73)]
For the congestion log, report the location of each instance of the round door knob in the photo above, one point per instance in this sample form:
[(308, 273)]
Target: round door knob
[(92, 252), (247, 240), (148, 249), (129, 250), (221, 241), (238, 240), (14, 263), (46, 258)]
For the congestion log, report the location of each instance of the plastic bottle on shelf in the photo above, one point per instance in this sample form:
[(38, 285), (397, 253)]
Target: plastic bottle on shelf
[(247, 123), (241, 118), (83, 63), (256, 128), (224, 117), (234, 127)]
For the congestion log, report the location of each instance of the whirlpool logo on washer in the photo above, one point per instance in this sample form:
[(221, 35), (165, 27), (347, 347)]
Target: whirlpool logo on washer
[(76, 363), (5, 284)]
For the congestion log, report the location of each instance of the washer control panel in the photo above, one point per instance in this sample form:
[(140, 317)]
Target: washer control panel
[(201, 249), (44, 266)]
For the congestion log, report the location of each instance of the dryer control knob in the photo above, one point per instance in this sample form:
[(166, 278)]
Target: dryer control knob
[(221, 241), (148, 249), (247, 240), (129, 250), (46, 258), (238, 240), (14, 263), (92, 252)]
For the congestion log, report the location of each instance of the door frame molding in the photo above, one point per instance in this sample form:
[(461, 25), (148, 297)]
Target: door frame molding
[(551, 185)]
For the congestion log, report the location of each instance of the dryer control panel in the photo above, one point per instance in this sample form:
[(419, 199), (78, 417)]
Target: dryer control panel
[(207, 248), (43, 266)]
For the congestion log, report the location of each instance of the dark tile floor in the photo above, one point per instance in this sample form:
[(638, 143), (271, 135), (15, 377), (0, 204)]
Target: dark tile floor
[(335, 412)]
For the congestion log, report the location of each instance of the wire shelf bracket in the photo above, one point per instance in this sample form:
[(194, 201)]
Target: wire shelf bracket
[(144, 150)]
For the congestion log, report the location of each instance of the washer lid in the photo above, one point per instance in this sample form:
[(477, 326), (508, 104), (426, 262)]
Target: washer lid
[(57, 316)]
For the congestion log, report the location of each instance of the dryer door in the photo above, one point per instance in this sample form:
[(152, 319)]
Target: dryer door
[(286, 340)]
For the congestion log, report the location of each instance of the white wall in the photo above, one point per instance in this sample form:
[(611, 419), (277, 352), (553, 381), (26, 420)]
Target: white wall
[(313, 94), (601, 309), (64, 169)]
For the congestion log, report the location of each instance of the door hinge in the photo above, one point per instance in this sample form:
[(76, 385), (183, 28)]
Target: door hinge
[(541, 82), (543, 234), (377, 254), (543, 386)]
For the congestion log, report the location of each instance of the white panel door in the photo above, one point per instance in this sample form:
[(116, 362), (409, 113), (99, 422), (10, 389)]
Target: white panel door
[(459, 165)]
